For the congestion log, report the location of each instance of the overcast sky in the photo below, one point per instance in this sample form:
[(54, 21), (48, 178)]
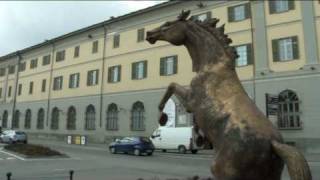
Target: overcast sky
[(23, 24)]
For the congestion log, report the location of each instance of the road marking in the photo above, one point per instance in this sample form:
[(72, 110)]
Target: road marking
[(187, 157), (10, 154), (59, 170), (10, 158)]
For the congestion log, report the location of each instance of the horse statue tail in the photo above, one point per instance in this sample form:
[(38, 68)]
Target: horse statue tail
[(297, 165)]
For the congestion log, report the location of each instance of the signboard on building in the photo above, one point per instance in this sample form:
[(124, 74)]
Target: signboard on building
[(272, 107)]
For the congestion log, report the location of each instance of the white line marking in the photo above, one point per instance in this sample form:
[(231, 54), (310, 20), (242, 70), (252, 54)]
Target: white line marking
[(1, 159), (10, 158), (59, 169), (10, 154)]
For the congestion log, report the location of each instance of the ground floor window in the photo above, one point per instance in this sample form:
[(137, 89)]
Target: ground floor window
[(5, 119), (16, 119), (112, 117), (71, 118), (90, 120), (289, 110), (40, 119), (137, 117), (27, 119), (55, 119)]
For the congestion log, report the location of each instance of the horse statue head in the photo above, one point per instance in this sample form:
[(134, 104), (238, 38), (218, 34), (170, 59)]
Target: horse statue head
[(206, 43)]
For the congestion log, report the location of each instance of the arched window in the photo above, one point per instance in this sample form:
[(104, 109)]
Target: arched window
[(27, 119), (16, 119), (71, 118), (112, 117), (289, 114), (137, 117), (90, 121), (55, 119), (40, 119), (5, 119)]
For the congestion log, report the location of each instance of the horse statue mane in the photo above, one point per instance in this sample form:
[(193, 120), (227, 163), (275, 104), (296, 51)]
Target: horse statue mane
[(248, 146)]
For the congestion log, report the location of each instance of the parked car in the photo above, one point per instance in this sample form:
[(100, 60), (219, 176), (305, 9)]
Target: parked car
[(182, 139), (135, 145), (12, 136)]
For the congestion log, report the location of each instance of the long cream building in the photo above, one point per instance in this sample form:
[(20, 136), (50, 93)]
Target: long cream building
[(105, 81)]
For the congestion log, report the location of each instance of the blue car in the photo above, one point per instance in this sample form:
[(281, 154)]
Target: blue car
[(135, 145)]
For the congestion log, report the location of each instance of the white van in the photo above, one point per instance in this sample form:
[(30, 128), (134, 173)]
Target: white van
[(178, 138)]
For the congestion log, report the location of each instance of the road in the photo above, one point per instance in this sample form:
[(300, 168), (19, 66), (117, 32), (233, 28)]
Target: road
[(96, 163)]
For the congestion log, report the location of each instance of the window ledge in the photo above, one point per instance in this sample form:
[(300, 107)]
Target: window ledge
[(281, 12), (235, 21), (291, 128)]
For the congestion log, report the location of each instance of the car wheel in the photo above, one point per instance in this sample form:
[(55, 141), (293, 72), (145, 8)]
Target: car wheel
[(182, 149), (164, 150), (194, 151), (113, 150), (149, 153), (137, 152), (25, 142)]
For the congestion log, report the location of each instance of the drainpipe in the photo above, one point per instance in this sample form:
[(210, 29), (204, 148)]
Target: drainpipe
[(15, 86), (50, 81), (103, 69), (253, 60)]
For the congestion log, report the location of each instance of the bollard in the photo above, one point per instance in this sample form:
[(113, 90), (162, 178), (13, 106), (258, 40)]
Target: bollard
[(71, 174), (9, 175)]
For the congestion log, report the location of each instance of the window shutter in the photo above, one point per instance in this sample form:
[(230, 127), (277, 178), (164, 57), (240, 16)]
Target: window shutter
[(145, 69), (88, 79), (109, 74), (230, 14), (133, 71), (119, 73), (208, 15), (97, 78), (291, 4), (295, 47), (162, 66), (175, 64), (78, 79), (249, 54), (247, 8), (275, 50), (272, 7), (70, 81)]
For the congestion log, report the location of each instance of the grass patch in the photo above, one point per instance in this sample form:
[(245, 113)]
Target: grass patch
[(31, 150)]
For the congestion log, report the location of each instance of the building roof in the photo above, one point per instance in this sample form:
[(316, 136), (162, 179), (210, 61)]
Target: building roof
[(94, 26)]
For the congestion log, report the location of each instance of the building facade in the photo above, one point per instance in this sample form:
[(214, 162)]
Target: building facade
[(106, 81)]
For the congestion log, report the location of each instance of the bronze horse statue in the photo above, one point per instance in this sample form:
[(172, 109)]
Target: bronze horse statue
[(247, 144)]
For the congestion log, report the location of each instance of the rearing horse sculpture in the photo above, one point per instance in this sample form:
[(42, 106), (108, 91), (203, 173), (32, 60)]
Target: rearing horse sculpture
[(248, 146)]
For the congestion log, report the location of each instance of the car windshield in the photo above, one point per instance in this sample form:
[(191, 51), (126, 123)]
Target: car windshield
[(144, 139), (20, 133)]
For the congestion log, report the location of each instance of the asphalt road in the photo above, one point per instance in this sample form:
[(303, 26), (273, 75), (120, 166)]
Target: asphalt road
[(96, 163)]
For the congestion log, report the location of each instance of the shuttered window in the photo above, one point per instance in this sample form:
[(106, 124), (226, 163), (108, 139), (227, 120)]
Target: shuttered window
[(19, 89), (9, 91), (2, 72), (140, 35), (46, 60), (33, 63), (31, 87), (114, 74), (12, 69), (139, 70), (93, 77), (245, 55), (43, 87), (279, 6), (202, 17), (116, 40), (95, 46), (60, 55), (239, 12), (57, 83), (22, 66), (76, 51), (74, 80), (168, 65), (285, 49)]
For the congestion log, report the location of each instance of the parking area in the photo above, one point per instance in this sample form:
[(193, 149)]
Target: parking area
[(96, 162)]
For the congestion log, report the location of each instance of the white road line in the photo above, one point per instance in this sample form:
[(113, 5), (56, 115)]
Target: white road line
[(186, 157), (1, 159), (59, 170), (10, 158), (13, 155)]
